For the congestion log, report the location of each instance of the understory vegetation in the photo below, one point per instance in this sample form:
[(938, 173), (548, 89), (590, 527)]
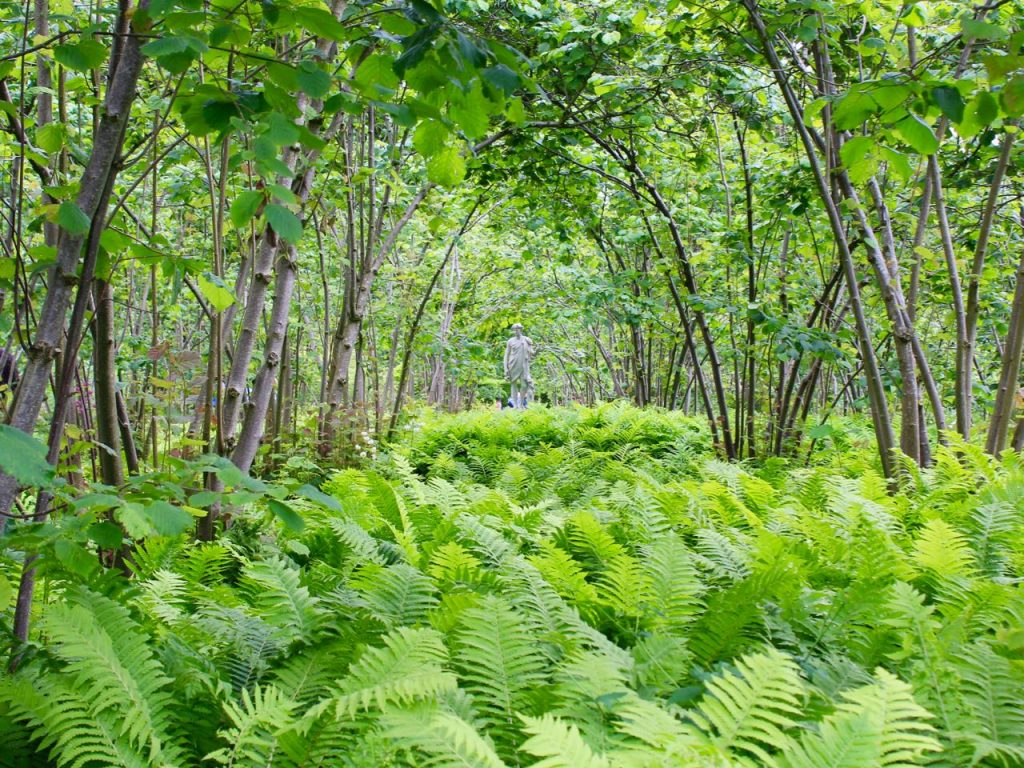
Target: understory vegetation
[(561, 588)]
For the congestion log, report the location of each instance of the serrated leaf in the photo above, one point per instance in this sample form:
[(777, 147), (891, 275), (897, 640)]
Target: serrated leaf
[(106, 535), (75, 558), (950, 102), (377, 70), (312, 80), (430, 138), (72, 218), (51, 136), (447, 167), (319, 497), (320, 22), (245, 207), (1012, 97), (24, 458), (215, 292), (501, 77), (167, 519), (285, 223), (917, 134), (6, 593), (82, 56)]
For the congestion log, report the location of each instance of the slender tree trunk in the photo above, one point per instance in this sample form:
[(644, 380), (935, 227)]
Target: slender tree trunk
[(980, 249), (962, 389), (256, 414), (91, 200), (876, 390), (1007, 389), (108, 430)]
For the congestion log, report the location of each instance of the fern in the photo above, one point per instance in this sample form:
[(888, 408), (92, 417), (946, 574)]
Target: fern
[(752, 708), (273, 588), (112, 695), (256, 723), (440, 737), (396, 595), (498, 661), (675, 587), (991, 720), (878, 725), (410, 666), (559, 744)]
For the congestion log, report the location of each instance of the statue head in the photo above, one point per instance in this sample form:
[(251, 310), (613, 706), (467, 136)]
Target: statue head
[(517, 329)]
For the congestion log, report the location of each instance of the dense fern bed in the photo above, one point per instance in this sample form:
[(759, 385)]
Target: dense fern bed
[(566, 588)]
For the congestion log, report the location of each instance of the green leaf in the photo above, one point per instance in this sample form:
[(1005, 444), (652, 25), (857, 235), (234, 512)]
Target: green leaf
[(858, 157), (515, 112), (377, 70), (820, 431), (917, 134), (165, 46), (51, 137), (320, 22), (75, 558), (979, 114), (999, 65), (167, 519), (6, 593), (24, 458), (950, 102), (1012, 97), (82, 56), (280, 130), (291, 519), (106, 535), (501, 77), (245, 207), (312, 80), (430, 138), (285, 223), (447, 167), (471, 117), (72, 218), (975, 29), (319, 497), (215, 292), (898, 163), (853, 109)]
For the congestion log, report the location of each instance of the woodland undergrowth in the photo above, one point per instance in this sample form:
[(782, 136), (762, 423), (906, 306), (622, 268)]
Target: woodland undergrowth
[(584, 588)]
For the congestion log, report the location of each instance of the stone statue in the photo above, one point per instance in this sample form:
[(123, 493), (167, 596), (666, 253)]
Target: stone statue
[(518, 352)]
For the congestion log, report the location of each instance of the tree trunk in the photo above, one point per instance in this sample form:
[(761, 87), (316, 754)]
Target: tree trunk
[(91, 200), (1006, 392)]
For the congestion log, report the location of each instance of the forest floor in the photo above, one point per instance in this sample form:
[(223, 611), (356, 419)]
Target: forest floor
[(556, 587)]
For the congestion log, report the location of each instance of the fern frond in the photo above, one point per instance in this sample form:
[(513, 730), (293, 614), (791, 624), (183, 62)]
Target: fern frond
[(498, 660), (274, 589), (675, 587), (410, 666), (256, 721), (397, 594), (750, 709), (109, 657), (439, 737), (992, 720), (559, 744), (942, 551), (67, 727)]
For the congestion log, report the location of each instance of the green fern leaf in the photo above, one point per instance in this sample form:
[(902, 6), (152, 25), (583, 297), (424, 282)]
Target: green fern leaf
[(750, 709), (410, 666), (498, 661), (559, 744)]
